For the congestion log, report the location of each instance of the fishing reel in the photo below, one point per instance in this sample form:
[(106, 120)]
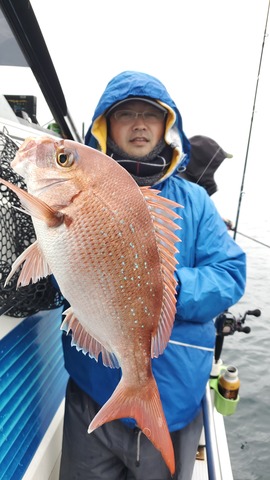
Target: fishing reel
[(227, 324)]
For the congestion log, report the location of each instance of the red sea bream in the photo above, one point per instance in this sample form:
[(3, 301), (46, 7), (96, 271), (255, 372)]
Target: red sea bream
[(111, 247)]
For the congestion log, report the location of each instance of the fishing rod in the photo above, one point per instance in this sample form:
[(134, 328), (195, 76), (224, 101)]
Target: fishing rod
[(227, 324), (251, 125)]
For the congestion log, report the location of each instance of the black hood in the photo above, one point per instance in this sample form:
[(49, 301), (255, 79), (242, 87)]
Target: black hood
[(205, 158)]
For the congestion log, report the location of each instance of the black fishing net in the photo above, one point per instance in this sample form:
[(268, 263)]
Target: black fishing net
[(16, 234)]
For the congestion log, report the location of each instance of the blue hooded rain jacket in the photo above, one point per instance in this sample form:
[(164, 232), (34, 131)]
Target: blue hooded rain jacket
[(210, 271)]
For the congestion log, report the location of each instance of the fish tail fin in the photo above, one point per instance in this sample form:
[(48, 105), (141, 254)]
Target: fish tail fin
[(144, 405)]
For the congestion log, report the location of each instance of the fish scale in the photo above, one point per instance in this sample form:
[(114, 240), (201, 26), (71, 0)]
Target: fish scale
[(111, 247)]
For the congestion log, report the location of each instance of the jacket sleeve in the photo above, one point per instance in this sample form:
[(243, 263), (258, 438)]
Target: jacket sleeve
[(212, 269)]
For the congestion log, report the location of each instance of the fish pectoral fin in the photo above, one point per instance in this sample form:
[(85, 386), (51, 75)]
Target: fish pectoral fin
[(144, 405), (85, 342), (35, 207), (34, 267)]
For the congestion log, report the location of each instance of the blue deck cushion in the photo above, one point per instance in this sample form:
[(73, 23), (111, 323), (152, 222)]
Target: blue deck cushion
[(32, 386)]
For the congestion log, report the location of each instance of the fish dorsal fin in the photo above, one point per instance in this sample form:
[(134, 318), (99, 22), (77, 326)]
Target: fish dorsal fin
[(85, 342), (34, 267), (163, 216)]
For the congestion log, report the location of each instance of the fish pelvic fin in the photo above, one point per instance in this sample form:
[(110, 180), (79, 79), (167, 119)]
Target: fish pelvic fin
[(35, 207), (163, 217), (85, 342), (144, 405), (34, 267)]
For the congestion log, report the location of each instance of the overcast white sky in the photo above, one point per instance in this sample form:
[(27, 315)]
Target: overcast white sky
[(206, 52)]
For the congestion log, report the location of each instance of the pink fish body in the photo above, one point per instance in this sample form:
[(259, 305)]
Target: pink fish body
[(110, 246)]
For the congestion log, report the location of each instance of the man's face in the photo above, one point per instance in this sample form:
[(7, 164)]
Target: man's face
[(139, 134)]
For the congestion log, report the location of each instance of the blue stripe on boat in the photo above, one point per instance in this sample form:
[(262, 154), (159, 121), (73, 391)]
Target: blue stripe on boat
[(32, 386)]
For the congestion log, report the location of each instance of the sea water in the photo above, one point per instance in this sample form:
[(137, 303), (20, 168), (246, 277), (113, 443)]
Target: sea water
[(248, 430)]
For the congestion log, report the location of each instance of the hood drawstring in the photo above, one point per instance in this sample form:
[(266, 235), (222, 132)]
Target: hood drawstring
[(139, 433)]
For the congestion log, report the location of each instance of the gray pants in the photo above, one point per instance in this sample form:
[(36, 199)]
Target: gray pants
[(115, 451)]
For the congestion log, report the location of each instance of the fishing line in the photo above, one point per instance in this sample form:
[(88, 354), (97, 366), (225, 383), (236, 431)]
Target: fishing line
[(251, 238), (251, 125)]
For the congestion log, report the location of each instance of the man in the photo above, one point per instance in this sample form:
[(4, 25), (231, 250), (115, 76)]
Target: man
[(137, 123)]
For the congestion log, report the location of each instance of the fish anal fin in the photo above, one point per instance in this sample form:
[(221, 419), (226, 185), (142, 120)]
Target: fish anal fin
[(85, 342), (144, 405), (34, 267)]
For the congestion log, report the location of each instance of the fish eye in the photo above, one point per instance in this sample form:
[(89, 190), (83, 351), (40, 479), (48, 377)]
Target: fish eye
[(65, 159)]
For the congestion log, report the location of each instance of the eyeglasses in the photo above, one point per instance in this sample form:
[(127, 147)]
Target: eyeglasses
[(129, 116)]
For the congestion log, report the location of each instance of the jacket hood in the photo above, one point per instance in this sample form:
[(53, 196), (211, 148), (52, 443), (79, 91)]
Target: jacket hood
[(131, 84)]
